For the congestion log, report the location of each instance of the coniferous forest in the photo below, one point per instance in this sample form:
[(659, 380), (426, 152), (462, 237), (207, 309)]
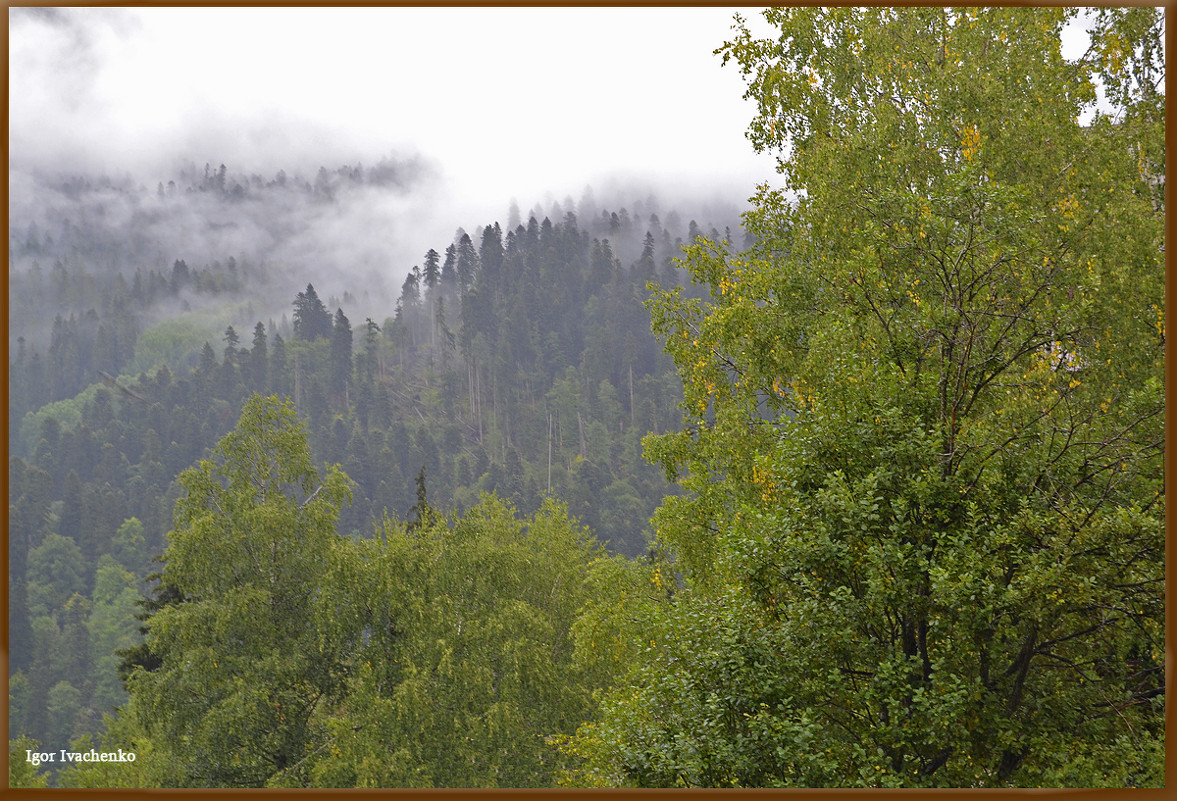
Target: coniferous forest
[(862, 487)]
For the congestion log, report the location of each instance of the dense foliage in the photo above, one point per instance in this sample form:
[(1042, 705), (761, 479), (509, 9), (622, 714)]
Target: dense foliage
[(523, 367), (924, 540), (910, 431), (438, 652)]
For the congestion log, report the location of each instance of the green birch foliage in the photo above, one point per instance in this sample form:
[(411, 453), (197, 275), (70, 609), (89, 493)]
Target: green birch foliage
[(923, 544), (245, 662), (21, 772), (112, 629), (467, 668)]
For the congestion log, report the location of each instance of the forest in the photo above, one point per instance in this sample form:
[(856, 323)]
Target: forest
[(863, 487)]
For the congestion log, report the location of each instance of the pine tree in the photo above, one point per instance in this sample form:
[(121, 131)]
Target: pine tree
[(311, 318), (467, 262), (432, 270), (258, 359)]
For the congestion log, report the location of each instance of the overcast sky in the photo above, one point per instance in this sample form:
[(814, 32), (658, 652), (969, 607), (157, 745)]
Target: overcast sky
[(506, 102)]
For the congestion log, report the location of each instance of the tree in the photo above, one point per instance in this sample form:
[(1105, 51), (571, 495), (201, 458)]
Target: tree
[(60, 710), (278, 373), (432, 271), (422, 512), (129, 547), (490, 252), (469, 666), (232, 340), (56, 570), (69, 521), (341, 340), (104, 353), (242, 668), (923, 540), (181, 277), (449, 267), (368, 363), (311, 318), (467, 262), (645, 263), (206, 372), (411, 289), (112, 630), (21, 771), (258, 359)]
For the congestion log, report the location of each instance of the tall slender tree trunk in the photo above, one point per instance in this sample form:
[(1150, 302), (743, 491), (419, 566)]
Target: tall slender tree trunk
[(631, 411)]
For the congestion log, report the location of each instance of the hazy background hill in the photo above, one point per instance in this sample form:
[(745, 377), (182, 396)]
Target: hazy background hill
[(512, 356)]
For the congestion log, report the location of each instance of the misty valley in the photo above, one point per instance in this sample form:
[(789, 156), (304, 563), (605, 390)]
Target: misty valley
[(516, 362)]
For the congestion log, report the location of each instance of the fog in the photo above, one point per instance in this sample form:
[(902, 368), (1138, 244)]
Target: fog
[(338, 145), (504, 102), (116, 114)]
